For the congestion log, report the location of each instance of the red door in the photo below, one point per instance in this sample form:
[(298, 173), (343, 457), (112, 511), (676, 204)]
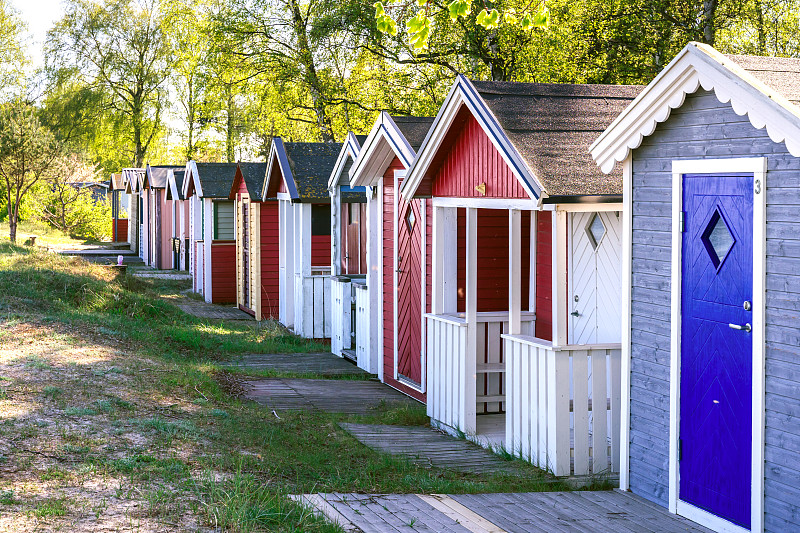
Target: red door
[(409, 223), (246, 255)]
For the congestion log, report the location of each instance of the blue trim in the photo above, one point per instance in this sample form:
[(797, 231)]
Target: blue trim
[(347, 188)]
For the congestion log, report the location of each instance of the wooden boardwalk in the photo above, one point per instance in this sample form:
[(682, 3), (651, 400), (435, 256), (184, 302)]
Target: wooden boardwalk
[(332, 396), (530, 512), (431, 448), (323, 364), (213, 311)]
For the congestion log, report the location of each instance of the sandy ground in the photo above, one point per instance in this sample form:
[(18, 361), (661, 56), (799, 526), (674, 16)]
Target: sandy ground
[(86, 435)]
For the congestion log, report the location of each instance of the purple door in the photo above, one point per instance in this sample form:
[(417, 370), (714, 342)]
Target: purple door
[(716, 345)]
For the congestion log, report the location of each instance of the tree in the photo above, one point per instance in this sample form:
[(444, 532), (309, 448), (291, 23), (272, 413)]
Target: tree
[(27, 153), (12, 55), (119, 47)]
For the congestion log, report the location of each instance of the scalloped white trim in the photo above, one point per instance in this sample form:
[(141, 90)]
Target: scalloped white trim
[(698, 66)]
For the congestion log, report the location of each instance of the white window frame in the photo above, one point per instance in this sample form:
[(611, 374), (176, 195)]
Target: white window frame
[(758, 167)]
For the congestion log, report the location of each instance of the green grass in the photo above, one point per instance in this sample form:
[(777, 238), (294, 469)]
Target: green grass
[(236, 461)]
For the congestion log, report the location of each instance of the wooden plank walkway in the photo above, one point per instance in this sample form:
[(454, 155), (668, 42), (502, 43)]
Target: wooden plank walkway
[(332, 396), (322, 363), (431, 448), (213, 311), (530, 512)]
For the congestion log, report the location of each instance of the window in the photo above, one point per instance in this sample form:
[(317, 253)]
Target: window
[(223, 221), (320, 219), (596, 230), (717, 238), (410, 219)]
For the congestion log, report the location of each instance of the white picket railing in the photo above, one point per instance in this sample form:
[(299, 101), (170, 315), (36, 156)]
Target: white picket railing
[(363, 318), (461, 385), (563, 405), (341, 308), (312, 310)]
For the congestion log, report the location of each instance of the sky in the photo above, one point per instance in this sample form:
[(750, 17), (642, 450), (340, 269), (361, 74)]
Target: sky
[(39, 15)]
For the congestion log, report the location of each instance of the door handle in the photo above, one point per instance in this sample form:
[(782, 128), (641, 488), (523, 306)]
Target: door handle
[(746, 328), (575, 313)]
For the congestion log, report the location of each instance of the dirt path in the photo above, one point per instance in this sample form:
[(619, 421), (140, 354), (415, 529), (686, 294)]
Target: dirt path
[(87, 440)]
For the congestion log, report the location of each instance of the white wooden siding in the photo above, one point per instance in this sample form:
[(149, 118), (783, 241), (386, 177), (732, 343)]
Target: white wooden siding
[(364, 356)]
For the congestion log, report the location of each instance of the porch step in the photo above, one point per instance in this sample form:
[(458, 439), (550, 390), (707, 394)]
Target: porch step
[(428, 447), (350, 355)]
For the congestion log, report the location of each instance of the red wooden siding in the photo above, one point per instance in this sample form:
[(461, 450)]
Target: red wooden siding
[(242, 188), (320, 250), (492, 259), (223, 273), (544, 276), (471, 159), (276, 183), (269, 259), (166, 230), (388, 283), (120, 230)]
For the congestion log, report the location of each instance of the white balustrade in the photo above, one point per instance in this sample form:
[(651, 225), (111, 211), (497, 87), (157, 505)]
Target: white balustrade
[(363, 358), (563, 405), (312, 310), (341, 325)]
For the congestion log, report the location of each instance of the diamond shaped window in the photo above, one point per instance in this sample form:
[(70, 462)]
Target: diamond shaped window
[(717, 238), (410, 219), (595, 230)]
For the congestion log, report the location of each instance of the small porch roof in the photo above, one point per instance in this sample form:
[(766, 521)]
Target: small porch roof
[(208, 180), (175, 184), (766, 89), (253, 175), (304, 168), (541, 130), (390, 137)]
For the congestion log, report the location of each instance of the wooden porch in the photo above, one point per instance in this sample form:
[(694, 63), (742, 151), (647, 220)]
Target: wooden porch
[(530, 512)]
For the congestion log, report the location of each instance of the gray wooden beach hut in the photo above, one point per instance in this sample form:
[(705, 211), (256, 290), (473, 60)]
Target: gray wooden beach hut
[(710, 153)]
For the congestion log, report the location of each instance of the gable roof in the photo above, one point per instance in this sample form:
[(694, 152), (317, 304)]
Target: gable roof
[(156, 176), (304, 168), (253, 175), (210, 180), (390, 137), (175, 184), (766, 89), (133, 178), (117, 183), (541, 130), (349, 152)]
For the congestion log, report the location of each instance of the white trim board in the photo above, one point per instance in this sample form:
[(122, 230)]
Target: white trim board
[(758, 167), (486, 203)]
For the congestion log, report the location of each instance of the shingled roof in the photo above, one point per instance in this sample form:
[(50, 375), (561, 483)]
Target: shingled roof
[(780, 73), (414, 129), (216, 178), (309, 167), (254, 174), (157, 175), (552, 127)]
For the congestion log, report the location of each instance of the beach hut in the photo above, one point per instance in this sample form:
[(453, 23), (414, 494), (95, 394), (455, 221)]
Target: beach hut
[(179, 215), (297, 177), (523, 329), (348, 257), (710, 152), (397, 239), (132, 177), (120, 207), (257, 243), (158, 216), (212, 234)]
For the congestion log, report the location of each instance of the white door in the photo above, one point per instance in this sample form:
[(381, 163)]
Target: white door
[(595, 278)]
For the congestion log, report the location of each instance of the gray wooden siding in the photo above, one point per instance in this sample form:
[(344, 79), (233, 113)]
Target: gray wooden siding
[(705, 128)]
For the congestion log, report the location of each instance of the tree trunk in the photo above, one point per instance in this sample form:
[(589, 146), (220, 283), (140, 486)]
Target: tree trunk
[(709, 26), (762, 32), (138, 155), (306, 58), (229, 147), (12, 225), (191, 117)]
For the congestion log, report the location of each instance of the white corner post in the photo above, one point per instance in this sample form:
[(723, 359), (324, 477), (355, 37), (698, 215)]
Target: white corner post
[(336, 231), (208, 234), (625, 378), (514, 272), (302, 269), (469, 377), (557, 371), (374, 278)]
